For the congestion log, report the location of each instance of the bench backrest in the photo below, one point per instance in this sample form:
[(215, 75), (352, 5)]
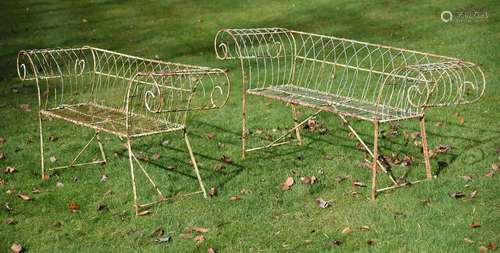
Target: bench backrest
[(385, 76)]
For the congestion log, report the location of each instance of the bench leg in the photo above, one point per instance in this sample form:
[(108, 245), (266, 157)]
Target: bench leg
[(375, 159), (132, 174), (425, 148), (195, 166), (244, 130), (42, 162), (296, 121)]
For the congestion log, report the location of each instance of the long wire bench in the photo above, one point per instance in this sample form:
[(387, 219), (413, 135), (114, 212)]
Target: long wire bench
[(349, 78)]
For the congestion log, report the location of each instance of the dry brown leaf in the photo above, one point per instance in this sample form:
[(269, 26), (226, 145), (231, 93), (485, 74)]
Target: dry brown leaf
[(235, 197), (2, 156), (328, 157), (358, 184), (461, 120), (308, 179), (475, 225), (210, 135), (468, 240), (287, 184), (467, 178), (24, 107), (456, 194), (219, 167), (311, 123), (10, 191), (10, 221), (2, 181), (144, 213), (211, 250), (492, 245), (24, 197), (199, 239), (483, 249), (494, 167), (199, 229), (156, 156), (473, 194), (364, 228), (347, 230), (489, 174), (321, 203), (158, 232), (212, 192), (439, 124), (73, 206), (226, 159), (16, 248), (2, 140), (10, 170)]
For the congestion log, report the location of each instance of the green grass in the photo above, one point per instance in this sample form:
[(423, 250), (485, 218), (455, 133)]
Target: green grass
[(422, 218)]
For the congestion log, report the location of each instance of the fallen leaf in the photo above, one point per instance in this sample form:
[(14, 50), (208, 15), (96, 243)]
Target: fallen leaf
[(492, 245), (24, 107), (211, 250), (156, 156), (311, 123), (358, 184), (219, 167), (10, 221), (415, 135), (199, 239), (212, 192), (102, 207), (439, 124), (144, 213), (53, 159), (364, 228), (59, 184), (10, 191), (221, 145), (2, 181), (494, 167), (10, 170), (328, 157), (210, 135), (35, 190), (163, 239), (489, 174), (158, 232), (334, 243), (441, 148), (475, 225), (347, 230), (322, 203), (24, 197), (16, 248), (473, 194), (2, 156), (456, 194), (461, 120), (2, 140), (467, 178), (227, 159), (235, 197), (244, 191), (73, 206), (104, 178), (287, 184), (468, 240), (308, 179), (199, 229)]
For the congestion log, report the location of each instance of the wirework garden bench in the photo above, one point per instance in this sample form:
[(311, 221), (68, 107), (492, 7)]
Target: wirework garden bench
[(123, 95), (348, 78)]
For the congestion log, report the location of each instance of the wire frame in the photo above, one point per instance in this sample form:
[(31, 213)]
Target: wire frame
[(363, 80), (100, 89)]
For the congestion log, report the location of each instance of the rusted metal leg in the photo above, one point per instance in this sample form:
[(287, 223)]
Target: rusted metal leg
[(425, 148), (132, 174), (296, 121), (195, 166), (42, 162), (244, 130), (375, 158)]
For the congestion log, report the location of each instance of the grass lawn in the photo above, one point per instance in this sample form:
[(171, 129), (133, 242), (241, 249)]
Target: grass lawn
[(421, 218)]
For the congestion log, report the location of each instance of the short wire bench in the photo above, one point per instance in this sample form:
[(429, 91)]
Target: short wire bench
[(123, 95), (349, 78)]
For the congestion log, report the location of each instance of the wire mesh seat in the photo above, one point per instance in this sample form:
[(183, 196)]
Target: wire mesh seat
[(349, 78), (120, 94)]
